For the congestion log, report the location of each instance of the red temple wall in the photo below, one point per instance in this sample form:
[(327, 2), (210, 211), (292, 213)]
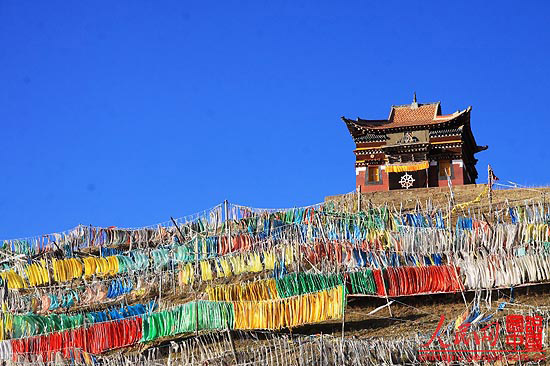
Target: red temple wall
[(361, 182), (433, 178), (457, 175)]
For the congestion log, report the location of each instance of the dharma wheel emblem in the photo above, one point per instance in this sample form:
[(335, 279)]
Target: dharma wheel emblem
[(406, 181)]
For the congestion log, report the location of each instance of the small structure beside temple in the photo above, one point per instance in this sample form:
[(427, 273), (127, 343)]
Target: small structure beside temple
[(415, 147)]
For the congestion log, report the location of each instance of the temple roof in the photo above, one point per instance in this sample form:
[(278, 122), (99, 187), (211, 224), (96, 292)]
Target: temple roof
[(408, 115), (413, 113)]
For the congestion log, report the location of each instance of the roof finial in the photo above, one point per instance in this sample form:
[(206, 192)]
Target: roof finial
[(414, 104)]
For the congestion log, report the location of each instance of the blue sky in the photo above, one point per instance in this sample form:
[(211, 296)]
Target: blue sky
[(126, 113)]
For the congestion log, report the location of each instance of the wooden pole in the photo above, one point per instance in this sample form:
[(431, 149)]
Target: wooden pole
[(321, 356), (196, 285), (386, 293), (298, 258), (177, 228), (359, 199), (173, 274), (490, 192), (344, 300), (173, 268), (160, 288), (90, 234), (343, 324), (227, 225), (231, 342)]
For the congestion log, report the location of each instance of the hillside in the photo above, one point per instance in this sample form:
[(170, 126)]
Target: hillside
[(269, 285), (438, 197)]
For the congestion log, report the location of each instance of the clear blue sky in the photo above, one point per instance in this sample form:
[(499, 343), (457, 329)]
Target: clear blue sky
[(127, 112)]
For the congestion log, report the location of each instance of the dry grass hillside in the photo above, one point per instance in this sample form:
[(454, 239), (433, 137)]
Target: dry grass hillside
[(438, 197)]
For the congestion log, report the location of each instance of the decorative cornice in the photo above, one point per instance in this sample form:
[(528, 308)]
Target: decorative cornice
[(446, 132), (369, 151), (371, 137)]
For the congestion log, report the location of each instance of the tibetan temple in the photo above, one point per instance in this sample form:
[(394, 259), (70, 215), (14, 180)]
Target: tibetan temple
[(415, 147)]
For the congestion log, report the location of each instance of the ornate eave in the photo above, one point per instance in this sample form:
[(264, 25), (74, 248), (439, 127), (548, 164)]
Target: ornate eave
[(371, 137), (446, 132), (400, 149), (362, 127), (369, 151)]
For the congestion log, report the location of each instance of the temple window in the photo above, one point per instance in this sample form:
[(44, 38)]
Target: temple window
[(445, 169), (373, 175)]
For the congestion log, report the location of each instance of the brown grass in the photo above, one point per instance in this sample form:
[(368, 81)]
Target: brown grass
[(438, 197)]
